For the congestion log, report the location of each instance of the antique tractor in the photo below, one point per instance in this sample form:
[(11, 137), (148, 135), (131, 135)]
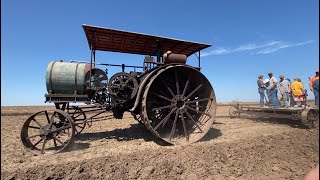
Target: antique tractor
[(173, 100)]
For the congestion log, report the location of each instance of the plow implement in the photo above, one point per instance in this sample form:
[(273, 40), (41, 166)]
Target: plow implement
[(307, 116)]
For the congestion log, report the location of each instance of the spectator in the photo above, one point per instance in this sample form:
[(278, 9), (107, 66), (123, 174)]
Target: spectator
[(297, 92), (314, 86), (273, 90), (261, 89), (291, 100), (284, 88), (266, 83)]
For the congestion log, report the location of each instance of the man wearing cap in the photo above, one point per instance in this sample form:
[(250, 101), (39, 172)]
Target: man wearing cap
[(273, 90), (291, 100), (284, 88), (314, 86), (261, 89)]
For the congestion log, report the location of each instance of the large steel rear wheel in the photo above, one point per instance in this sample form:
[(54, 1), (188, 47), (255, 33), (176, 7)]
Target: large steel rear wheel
[(179, 105)]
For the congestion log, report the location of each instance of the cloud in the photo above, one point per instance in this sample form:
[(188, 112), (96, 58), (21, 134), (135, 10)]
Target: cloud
[(252, 48), (282, 45)]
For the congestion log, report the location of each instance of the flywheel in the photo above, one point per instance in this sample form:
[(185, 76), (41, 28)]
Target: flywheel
[(123, 86)]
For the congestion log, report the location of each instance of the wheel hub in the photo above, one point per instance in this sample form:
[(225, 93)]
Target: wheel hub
[(46, 132), (123, 86), (178, 102)]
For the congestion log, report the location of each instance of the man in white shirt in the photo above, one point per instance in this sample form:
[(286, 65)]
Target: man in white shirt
[(273, 90)]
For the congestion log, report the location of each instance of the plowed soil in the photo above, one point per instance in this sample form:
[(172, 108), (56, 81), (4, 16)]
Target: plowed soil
[(124, 149)]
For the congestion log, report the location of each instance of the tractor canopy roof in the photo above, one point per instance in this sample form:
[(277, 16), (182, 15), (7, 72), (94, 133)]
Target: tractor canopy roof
[(105, 39)]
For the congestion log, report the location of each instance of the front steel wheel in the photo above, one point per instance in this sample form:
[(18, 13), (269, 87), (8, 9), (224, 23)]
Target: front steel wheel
[(47, 132)]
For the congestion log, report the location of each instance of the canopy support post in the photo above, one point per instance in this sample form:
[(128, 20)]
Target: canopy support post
[(91, 56), (199, 61), (94, 56), (159, 51), (198, 56)]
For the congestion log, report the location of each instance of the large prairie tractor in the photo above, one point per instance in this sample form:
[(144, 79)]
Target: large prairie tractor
[(173, 100)]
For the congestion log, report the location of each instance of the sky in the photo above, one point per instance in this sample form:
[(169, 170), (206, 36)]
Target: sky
[(248, 38)]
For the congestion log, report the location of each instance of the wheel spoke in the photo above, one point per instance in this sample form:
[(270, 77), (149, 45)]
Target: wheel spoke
[(52, 119), (117, 86), (127, 81), (195, 90), (34, 127), (60, 129), (174, 126), (198, 100), (54, 142), (37, 143), (37, 122), (197, 106), (58, 140), (184, 127), (185, 87), (169, 89), (33, 136), (160, 96), (162, 107), (191, 118), (164, 121), (177, 82), (46, 112), (199, 111), (43, 145)]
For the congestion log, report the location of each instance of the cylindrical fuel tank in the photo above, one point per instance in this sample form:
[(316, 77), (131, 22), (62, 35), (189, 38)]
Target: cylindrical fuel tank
[(66, 77)]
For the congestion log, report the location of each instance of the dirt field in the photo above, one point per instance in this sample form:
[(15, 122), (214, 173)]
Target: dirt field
[(123, 149)]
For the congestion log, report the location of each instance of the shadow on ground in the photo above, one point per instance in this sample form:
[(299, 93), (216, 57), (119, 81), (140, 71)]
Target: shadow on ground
[(135, 131), (289, 122), (212, 134)]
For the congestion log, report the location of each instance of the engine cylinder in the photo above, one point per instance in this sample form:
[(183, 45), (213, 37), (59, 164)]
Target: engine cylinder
[(171, 58)]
